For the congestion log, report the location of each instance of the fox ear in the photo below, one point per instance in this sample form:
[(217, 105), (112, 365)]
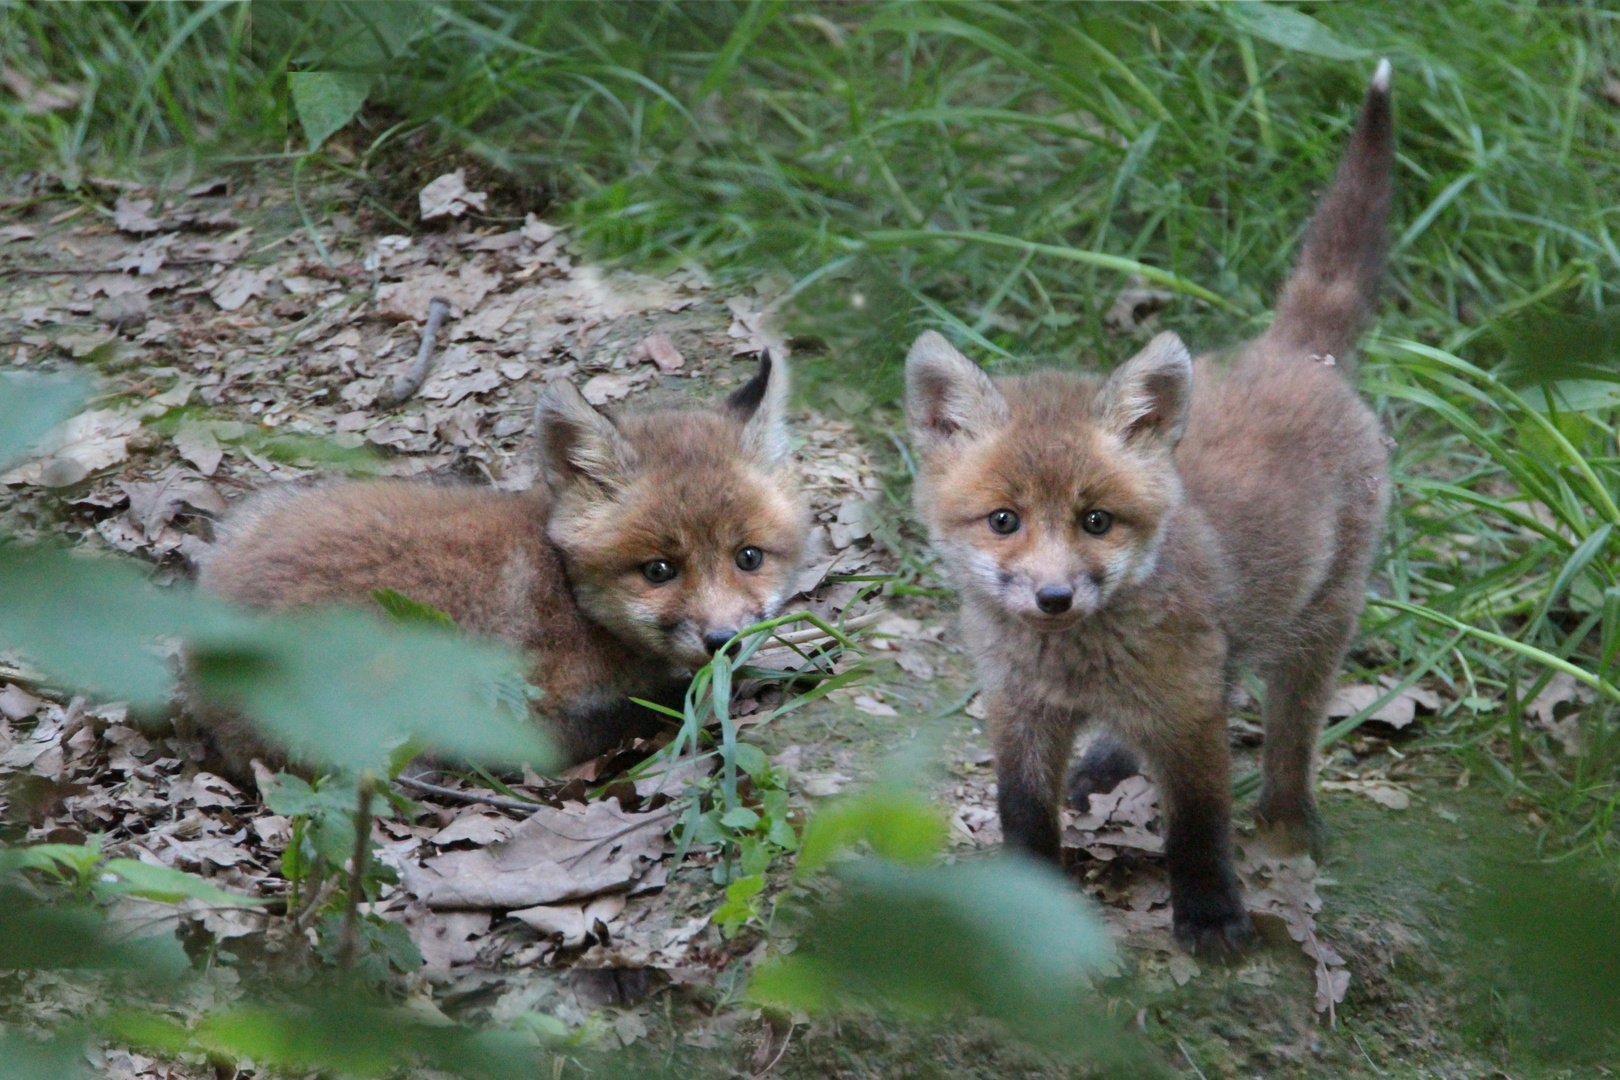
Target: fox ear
[(761, 404), (577, 442), (947, 395), (1145, 400)]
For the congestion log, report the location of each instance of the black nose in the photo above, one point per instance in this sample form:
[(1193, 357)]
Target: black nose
[(714, 640), (1054, 599)]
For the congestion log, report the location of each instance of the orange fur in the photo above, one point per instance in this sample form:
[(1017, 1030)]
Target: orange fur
[(557, 570)]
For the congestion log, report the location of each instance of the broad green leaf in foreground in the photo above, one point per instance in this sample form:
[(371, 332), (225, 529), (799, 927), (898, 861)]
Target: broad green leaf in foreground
[(1557, 931), (1003, 937), (93, 622), (30, 405), (77, 937), (897, 824), (164, 884), (340, 687), (343, 688), (326, 100), (25, 1058), (338, 1032)]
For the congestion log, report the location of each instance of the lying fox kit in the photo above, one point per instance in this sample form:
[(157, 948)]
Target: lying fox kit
[(652, 540), (1123, 546)]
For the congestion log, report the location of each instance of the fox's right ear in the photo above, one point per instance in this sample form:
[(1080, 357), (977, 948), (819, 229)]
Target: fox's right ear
[(947, 395), (1146, 400), (577, 442)]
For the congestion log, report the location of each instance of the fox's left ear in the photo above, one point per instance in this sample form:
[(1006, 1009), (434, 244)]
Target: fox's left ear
[(1145, 400), (761, 404)]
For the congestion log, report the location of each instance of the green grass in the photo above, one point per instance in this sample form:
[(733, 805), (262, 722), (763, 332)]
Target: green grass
[(997, 171)]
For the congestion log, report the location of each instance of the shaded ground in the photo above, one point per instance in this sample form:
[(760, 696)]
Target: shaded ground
[(236, 351)]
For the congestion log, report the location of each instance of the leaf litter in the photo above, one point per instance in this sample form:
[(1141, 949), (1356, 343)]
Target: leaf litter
[(245, 356)]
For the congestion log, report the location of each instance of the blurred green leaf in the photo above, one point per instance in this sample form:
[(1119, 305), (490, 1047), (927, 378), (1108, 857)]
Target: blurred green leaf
[(94, 622), (1293, 30), (1004, 937), (1558, 932), (31, 404), (164, 884), (74, 936), (326, 100), (341, 1030), (898, 824), (59, 1058), (345, 689)]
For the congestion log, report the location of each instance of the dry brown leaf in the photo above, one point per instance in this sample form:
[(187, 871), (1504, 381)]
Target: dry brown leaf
[(601, 389), (1397, 712), (36, 98), (17, 703), (408, 300), (1381, 792), (663, 352), (447, 196), (197, 444), (871, 706), (155, 503), (553, 855), (86, 444), (239, 286), (476, 827), (132, 216)]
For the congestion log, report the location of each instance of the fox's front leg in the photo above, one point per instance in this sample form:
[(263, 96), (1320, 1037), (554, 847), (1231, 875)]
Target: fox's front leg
[(1195, 777), (1031, 743)]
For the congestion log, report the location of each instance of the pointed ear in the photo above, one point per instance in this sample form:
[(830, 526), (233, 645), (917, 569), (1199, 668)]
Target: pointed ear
[(761, 405), (1145, 400), (947, 395), (577, 442)]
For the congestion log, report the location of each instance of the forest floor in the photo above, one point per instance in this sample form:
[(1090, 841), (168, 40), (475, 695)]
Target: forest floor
[(237, 347)]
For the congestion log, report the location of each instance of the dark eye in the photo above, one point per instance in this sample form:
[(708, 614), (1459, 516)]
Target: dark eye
[(658, 571), (1097, 522), (749, 558), (1003, 522)]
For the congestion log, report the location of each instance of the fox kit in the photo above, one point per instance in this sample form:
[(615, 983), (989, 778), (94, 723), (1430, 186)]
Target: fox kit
[(652, 539), (1122, 546)]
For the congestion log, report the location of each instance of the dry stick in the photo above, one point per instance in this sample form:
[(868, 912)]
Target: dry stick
[(317, 901), (409, 383), (467, 796), (349, 940)]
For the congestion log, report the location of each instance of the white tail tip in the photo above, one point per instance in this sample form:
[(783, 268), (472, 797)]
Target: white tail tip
[(1380, 79)]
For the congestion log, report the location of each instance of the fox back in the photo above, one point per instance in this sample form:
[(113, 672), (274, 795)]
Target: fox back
[(653, 539)]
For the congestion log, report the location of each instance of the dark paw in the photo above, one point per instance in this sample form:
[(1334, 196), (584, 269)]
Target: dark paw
[(1099, 771), (1292, 829), (1219, 930)]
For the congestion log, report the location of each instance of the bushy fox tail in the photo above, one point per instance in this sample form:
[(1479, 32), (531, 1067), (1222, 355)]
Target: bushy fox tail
[(1329, 298)]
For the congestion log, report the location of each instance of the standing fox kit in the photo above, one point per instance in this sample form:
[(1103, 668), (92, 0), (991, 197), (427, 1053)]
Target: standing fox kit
[(1123, 546), (651, 541)]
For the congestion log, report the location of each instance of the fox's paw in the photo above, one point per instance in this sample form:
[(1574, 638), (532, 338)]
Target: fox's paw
[(1214, 925), (1291, 829)]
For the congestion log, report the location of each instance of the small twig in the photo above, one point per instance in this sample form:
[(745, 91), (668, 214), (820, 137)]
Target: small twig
[(306, 918), (349, 940), (1366, 1055), (409, 383), (467, 796), (785, 1040), (1183, 1048), (800, 637)]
